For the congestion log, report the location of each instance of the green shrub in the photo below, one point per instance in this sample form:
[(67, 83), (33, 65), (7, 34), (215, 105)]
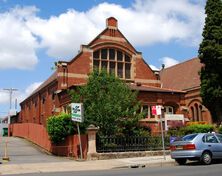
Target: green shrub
[(59, 127), (220, 130), (176, 131), (197, 128)]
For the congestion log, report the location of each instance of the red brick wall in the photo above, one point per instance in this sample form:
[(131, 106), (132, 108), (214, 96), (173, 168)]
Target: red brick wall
[(143, 71), (39, 113), (75, 72), (80, 65), (70, 147), (175, 100), (193, 97)]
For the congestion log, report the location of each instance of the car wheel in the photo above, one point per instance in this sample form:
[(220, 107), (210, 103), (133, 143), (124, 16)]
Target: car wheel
[(206, 158), (181, 161)]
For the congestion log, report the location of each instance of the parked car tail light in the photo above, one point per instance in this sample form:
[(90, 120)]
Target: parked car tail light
[(172, 147), (189, 147)]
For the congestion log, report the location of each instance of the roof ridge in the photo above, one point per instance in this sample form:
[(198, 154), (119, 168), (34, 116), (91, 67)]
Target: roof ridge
[(179, 63), (163, 88), (48, 81)]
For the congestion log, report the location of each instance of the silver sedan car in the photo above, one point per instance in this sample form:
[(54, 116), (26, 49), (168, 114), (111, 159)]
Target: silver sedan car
[(201, 146)]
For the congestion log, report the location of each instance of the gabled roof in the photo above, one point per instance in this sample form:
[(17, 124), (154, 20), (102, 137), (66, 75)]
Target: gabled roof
[(44, 84), (118, 31), (153, 89), (183, 76)]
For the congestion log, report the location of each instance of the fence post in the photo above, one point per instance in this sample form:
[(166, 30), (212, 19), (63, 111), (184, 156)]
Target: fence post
[(91, 131)]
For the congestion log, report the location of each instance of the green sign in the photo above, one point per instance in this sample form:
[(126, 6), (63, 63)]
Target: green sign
[(77, 112)]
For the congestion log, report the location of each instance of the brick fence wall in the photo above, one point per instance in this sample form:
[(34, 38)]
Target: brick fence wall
[(37, 134)]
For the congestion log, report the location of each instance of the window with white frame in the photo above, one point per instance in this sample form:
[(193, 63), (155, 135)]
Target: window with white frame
[(168, 110), (147, 110), (114, 61)]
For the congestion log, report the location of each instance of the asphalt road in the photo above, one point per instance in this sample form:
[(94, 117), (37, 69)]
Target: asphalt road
[(193, 169)]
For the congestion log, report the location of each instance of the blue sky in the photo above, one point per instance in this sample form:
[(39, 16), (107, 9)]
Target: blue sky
[(36, 33)]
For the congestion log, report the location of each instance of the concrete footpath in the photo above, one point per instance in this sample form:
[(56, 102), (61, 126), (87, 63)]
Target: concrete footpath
[(26, 158), (157, 161)]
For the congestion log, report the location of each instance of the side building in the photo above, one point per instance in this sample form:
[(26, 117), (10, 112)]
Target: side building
[(110, 50), (185, 77)]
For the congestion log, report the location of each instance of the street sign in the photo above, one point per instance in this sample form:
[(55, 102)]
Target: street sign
[(156, 110), (77, 116), (77, 112)]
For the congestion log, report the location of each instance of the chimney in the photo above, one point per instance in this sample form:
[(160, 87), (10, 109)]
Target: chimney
[(163, 66), (111, 23)]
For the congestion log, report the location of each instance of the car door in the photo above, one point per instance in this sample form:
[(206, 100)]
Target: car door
[(219, 137), (213, 145)]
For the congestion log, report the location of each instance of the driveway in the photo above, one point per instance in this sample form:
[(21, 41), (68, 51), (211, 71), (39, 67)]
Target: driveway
[(23, 151)]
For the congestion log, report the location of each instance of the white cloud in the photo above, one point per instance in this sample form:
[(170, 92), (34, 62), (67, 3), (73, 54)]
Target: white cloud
[(19, 95), (146, 22), (32, 87), (63, 35), (28, 91), (4, 97), (168, 62), (154, 67), (172, 20), (17, 49)]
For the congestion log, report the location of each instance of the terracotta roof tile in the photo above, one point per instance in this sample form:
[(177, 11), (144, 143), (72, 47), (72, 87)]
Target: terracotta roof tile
[(153, 89), (182, 76)]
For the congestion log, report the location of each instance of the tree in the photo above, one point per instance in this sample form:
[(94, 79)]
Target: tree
[(210, 54), (110, 104)]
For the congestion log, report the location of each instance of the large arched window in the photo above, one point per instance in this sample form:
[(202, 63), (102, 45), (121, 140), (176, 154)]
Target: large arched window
[(114, 61)]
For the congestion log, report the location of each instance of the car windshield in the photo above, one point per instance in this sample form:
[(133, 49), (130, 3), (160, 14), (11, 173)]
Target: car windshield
[(189, 137)]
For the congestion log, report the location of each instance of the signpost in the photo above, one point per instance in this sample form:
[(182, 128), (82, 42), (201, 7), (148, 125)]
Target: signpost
[(77, 116), (158, 110)]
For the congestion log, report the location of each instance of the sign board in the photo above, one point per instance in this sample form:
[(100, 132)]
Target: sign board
[(173, 120), (153, 110), (77, 112), (156, 110)]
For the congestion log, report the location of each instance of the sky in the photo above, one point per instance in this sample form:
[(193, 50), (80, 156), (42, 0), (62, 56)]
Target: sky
[(36, 33)]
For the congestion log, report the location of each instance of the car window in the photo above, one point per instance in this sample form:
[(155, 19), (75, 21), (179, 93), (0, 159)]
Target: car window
[(219, 136), (210, 138), (189, 137)]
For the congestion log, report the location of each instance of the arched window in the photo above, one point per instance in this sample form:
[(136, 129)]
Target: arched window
[(192, 111), (114, 61), (197, 111)]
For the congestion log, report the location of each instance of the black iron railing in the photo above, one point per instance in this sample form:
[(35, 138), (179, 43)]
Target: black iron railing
[(125, 144)]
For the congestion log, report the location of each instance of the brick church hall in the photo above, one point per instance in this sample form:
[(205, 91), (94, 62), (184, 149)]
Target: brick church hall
[(176, 88)]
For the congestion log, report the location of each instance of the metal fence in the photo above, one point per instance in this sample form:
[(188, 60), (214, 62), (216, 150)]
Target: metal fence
[(125, 144)]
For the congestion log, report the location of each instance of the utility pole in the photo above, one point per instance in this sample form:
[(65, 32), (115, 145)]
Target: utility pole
[(10, 90)]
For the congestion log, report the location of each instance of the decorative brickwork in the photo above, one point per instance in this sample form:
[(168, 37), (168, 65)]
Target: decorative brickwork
[(52, 98)]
